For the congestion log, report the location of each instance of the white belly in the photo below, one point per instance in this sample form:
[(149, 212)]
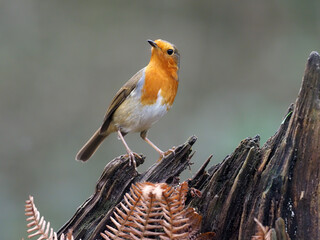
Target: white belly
[(132, 116)]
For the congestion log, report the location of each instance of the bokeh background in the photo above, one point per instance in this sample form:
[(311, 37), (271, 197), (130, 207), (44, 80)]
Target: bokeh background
[(61, 62)]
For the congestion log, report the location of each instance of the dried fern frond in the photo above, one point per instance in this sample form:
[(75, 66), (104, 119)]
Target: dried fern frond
[(195, 225), (69, 236), (138, 215), (262, 233), (175, 221), (194, 222), (206, 236), (151, 210), (37, 226), (266, 233)]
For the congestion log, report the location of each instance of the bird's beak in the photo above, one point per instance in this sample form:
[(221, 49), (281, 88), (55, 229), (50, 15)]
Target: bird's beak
[(152, 43)]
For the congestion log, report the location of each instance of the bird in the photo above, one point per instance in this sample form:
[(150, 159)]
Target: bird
[(141, 101)]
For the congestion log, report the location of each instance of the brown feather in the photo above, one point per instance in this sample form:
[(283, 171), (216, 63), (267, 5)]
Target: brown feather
[(91, 146), (121, 95)]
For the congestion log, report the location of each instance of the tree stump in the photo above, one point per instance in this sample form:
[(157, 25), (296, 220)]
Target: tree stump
[(279, 179)]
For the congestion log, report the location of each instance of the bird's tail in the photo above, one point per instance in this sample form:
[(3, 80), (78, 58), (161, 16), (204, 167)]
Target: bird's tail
[(91, 146)]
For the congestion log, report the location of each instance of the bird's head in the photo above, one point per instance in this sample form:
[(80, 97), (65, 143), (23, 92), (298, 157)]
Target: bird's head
[(163, 52)]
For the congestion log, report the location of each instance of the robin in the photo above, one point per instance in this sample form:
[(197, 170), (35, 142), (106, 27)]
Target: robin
[(141, 102)]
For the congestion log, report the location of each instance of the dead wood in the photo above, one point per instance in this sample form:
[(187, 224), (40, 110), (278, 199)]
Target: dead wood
[(279, 179)]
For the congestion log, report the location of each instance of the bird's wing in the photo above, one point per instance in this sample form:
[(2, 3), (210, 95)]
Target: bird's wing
[(121, 95)]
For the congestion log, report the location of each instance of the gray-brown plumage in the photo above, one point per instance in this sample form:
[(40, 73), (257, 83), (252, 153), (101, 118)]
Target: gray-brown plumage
[(142, 101), (108, 126)]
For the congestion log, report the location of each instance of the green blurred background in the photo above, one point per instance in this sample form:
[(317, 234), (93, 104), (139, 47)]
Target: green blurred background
[(63, 61)]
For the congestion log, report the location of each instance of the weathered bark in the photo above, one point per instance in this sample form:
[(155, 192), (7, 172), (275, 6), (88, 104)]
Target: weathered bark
[(280, 179), (116, 179)]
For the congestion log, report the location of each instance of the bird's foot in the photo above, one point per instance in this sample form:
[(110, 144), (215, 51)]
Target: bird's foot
[(164, 154), (171, 150), (132, 160)]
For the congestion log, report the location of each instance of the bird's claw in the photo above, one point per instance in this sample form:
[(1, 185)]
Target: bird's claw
[(132, 160), (171, 150), (165, 154)]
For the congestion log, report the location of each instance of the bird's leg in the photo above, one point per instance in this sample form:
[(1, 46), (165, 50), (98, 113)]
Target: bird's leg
[(130, 153), (162, 154), (143, 135)]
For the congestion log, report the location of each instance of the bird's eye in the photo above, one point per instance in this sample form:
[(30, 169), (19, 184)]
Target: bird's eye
[(170, 51)]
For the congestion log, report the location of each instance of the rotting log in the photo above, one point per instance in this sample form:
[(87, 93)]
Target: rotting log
[(279, 179)]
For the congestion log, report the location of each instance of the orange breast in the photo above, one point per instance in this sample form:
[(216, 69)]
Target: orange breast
[(157, 78)]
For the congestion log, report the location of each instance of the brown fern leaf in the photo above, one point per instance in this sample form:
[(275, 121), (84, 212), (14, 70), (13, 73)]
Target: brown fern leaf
[(195, 225), (265, 233), (138, 215), (194, 222), (37, 226), (149, 211), (155, 211), (69, 236), (206, 236), (175, 222), (262, 231)]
